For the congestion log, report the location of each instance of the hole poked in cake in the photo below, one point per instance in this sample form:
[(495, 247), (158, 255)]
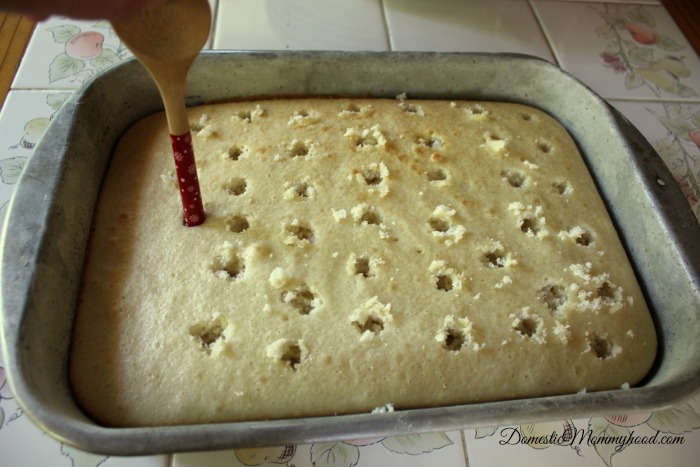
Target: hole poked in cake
[(476, 111), (514, 178), (581, 235), (291, 353), (236, 152), (351, 109), (437, 175), (371, 318), (444, 282), (554, 296), (601, 347), (562, 187), (494, 141), (544, 147), (229, 266), (354, 110), (456, 333), (299, 149), (372, 324), (363, 265), (528, 325), (444, 278), (443, 227), (454, 339), (495, 256), (298, 233), (247, 115), (236, 186), (531, 226), (208, 334), (609, 294), (237, 223), (302, 117), (372, 177), (494, 259), (196, 127), (298, 190), (411, 109), (366, 138), (301, 298), (438, 224), (431, 141), (365, 214), (584, 237)]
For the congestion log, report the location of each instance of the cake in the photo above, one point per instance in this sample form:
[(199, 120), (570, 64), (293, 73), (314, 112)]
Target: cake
[(358, 256)]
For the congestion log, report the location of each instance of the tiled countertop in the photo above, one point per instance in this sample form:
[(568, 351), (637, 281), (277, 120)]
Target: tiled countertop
[(630, 52)]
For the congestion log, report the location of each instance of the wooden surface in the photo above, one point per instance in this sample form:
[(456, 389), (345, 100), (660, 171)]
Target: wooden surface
[(15, 31), (686, 13)]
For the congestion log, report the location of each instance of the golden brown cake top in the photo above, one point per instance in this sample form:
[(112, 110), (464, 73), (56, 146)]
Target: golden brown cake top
[(356, 253)]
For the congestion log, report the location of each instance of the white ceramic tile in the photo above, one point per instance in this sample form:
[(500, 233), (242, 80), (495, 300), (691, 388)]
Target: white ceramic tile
[(623, 51), (665, 437), (427, 450), (466, 26), (300, 25), (62, 54), (23, 120), (673, 129)]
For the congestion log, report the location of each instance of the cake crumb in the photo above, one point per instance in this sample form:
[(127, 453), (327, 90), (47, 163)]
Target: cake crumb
[(279, 278), (561, 331), (387, 408), (339, 215), (505, 281)]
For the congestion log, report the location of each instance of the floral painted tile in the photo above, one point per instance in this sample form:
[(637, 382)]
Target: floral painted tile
[(23, 120), (449, 26), (63, 53), (300, 25), (665, 437), (623, 51), (673, 129), (419, 450)]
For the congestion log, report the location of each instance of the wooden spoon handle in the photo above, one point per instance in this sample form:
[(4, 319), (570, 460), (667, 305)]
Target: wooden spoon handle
[(187, 179), (171, 85)]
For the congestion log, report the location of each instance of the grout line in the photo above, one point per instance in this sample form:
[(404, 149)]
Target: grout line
[(387, 29), (550, 42), (464, 447), (214, 17)]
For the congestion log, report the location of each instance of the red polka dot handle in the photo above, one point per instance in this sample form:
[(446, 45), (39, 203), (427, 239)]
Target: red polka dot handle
[(183, 152)]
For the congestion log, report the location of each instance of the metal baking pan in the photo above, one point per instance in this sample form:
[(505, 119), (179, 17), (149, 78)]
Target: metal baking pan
[(50, 216)]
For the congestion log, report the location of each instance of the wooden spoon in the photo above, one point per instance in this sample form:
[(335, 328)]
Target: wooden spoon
[(166, 40)]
